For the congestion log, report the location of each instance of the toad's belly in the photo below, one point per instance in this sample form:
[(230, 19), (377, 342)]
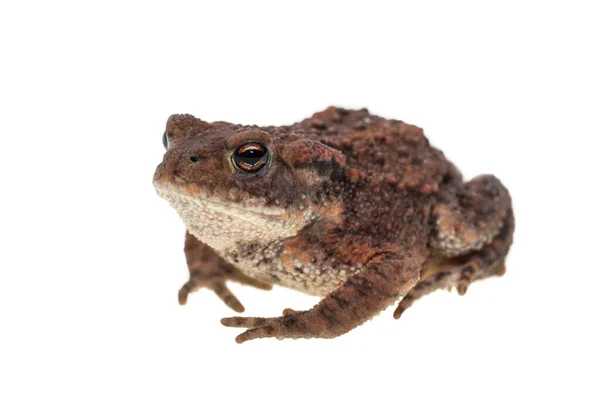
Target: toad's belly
[(315, 277)]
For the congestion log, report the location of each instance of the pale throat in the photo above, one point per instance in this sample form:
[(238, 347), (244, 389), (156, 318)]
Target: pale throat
[(225, 226)]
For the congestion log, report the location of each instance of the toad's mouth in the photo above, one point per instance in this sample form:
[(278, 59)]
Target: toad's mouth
[(181, 201)]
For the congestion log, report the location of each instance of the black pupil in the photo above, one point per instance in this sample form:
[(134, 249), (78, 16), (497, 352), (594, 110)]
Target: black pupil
[(251, 156), (165, 142)]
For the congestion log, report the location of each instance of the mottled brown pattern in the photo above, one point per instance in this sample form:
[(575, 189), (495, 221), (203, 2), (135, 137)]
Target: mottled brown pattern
[(353, 207)]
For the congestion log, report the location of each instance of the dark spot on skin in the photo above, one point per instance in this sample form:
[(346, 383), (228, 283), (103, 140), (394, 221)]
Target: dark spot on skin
[(469, 270), (465, 202), (318, 124), (441, 275), (505, 231), (447, 179), (485, 257), (466, 273)]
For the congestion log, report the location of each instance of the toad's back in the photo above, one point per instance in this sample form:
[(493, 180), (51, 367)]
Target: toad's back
[(387, 150)]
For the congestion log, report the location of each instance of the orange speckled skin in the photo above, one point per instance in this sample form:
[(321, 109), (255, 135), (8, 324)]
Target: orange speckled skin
[(391, 217)]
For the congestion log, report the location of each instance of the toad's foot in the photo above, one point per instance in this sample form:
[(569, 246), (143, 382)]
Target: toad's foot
[(218, 285), (287, 326)]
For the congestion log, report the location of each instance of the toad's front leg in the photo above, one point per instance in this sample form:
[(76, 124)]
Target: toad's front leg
[(362, 296), (208, 270)]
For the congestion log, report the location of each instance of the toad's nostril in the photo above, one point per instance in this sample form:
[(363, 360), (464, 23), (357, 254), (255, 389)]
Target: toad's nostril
[(194, 158)]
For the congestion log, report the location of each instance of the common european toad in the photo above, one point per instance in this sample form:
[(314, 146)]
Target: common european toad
[(357, 209)]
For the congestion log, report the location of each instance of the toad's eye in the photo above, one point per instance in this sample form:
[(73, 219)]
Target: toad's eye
[(165, 141), (250, 157)]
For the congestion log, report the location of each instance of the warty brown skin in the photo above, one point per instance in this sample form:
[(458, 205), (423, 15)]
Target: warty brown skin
[(390, 217)]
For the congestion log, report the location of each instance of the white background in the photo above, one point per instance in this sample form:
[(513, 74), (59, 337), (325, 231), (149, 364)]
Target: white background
[(91, 259)]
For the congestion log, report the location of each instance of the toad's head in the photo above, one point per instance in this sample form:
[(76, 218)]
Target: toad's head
[(233, 183)]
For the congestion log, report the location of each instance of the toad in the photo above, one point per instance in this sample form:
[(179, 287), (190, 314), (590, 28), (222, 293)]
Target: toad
[(357, 209)]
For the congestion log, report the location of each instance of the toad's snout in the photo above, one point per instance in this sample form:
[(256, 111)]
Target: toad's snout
[(175, 164)]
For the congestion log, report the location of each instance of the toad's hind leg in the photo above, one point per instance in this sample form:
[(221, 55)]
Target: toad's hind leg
[(462, 271), (475, 230)]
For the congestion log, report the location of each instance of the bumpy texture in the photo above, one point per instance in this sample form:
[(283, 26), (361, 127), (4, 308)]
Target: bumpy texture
[(352, 207)]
